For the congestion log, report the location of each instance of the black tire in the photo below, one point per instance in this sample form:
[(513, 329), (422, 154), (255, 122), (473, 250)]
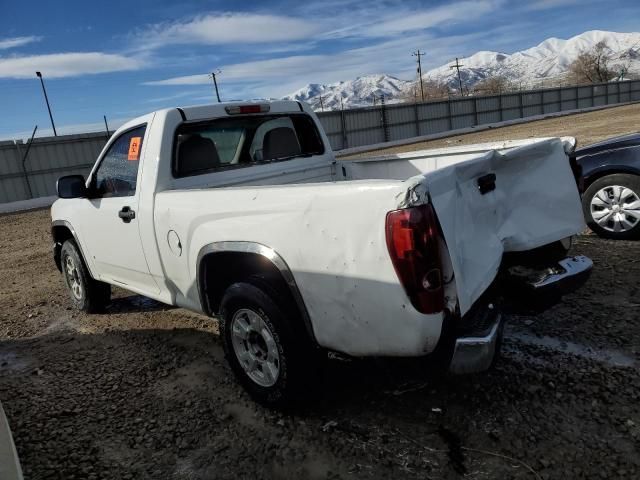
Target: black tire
[(297, 357), (87, 294), (632, 182)]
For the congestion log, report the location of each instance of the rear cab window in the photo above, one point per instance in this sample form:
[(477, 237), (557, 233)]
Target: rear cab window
[(236, 142)]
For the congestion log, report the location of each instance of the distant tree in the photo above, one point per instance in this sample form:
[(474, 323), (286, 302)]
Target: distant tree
[(593, 66), (433, 90), (492, 86)]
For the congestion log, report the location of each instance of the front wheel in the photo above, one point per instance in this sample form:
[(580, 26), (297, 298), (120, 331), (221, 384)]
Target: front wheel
[(87, 294), (611, 206), (269, 356)]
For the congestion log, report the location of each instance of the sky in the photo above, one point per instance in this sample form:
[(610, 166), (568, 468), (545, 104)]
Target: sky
[(126, 58)]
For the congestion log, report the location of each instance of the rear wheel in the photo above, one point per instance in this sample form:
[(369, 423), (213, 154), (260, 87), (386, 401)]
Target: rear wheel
[(271, 358), (611, 206), (87, 294)]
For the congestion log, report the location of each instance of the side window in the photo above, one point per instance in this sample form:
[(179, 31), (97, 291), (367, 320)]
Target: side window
[(118, 172)]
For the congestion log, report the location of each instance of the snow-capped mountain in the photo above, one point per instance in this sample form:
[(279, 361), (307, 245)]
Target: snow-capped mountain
[(354, 93), (549, 60)]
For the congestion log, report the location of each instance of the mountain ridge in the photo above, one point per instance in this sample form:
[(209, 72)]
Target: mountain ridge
[(549, 60)]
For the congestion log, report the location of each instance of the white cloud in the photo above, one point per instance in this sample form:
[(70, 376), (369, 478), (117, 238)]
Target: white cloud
[(226, 28), (279, 76), (548, 4), (408, 20), (14, 42), (401, 29), (71, 64), (459, 12)]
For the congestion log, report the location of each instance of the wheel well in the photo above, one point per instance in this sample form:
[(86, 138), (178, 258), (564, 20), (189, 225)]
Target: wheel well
[(218, 271), (605, 173), (60, 234)]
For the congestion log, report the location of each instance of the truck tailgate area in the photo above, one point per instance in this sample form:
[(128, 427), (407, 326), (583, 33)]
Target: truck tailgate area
[(489, 199)]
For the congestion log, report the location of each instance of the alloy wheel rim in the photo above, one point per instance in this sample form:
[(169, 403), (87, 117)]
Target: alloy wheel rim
[(255, 348), (73, 277), (616, 208)]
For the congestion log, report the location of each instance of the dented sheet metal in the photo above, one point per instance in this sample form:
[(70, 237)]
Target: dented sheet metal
[(535, 202), (331, 234)]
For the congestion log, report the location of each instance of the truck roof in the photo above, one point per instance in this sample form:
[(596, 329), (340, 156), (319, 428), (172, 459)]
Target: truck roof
[(213, 110)]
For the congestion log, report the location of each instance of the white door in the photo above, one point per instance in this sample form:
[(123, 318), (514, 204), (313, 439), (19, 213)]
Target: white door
[(110, 221)]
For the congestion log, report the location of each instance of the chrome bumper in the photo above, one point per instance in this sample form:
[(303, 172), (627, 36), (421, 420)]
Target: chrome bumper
[(474, 354), (571, 270), (476, 351)]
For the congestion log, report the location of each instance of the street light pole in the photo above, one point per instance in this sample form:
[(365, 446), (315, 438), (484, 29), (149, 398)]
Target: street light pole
[(215, 83), (46, 99)]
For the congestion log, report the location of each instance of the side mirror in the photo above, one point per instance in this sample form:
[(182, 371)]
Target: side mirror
[(71, 186)]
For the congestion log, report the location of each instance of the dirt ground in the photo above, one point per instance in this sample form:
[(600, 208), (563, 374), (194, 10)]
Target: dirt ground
[(143, 391), (587, 128)]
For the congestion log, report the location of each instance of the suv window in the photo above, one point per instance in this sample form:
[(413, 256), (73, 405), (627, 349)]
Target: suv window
[(118, 171), (243, 141)]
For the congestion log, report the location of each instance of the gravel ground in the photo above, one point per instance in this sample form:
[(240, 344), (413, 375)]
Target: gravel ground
[(143, 391), (587, 128)]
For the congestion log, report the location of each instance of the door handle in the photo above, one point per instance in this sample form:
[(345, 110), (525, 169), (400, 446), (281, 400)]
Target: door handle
[(126, 214)]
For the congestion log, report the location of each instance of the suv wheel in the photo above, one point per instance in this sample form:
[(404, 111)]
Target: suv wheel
[(611, 206)]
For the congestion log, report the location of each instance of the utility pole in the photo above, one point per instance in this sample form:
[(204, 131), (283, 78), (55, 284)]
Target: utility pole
[(419, 54), (457, 67), (321, 104), (46, 99), (215, 83)]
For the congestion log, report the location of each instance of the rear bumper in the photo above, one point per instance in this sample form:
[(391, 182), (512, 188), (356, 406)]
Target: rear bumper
[(572, 273), (533, 290), (476, 352)]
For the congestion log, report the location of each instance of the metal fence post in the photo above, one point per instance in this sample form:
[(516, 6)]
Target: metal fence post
[(593, 95), (521, 104), (577, 98), (344, 129), (449, 115), (500, 106), (383, 115), (25, 174), (415, 115), (475, 110), (618, 90)]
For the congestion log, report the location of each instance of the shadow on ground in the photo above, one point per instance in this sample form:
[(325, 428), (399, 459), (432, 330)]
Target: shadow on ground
[(163, 404)]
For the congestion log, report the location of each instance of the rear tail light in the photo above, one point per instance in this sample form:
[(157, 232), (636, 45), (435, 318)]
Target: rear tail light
[(413, 244), (239, 109)]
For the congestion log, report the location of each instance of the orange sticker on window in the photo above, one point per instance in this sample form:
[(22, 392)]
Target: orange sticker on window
[(134, 149)]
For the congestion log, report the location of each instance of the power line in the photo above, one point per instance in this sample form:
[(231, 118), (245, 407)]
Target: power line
[(457, 67), (420, 54)]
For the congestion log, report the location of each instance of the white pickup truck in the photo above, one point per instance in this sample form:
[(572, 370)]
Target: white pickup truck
[(241, 211)]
